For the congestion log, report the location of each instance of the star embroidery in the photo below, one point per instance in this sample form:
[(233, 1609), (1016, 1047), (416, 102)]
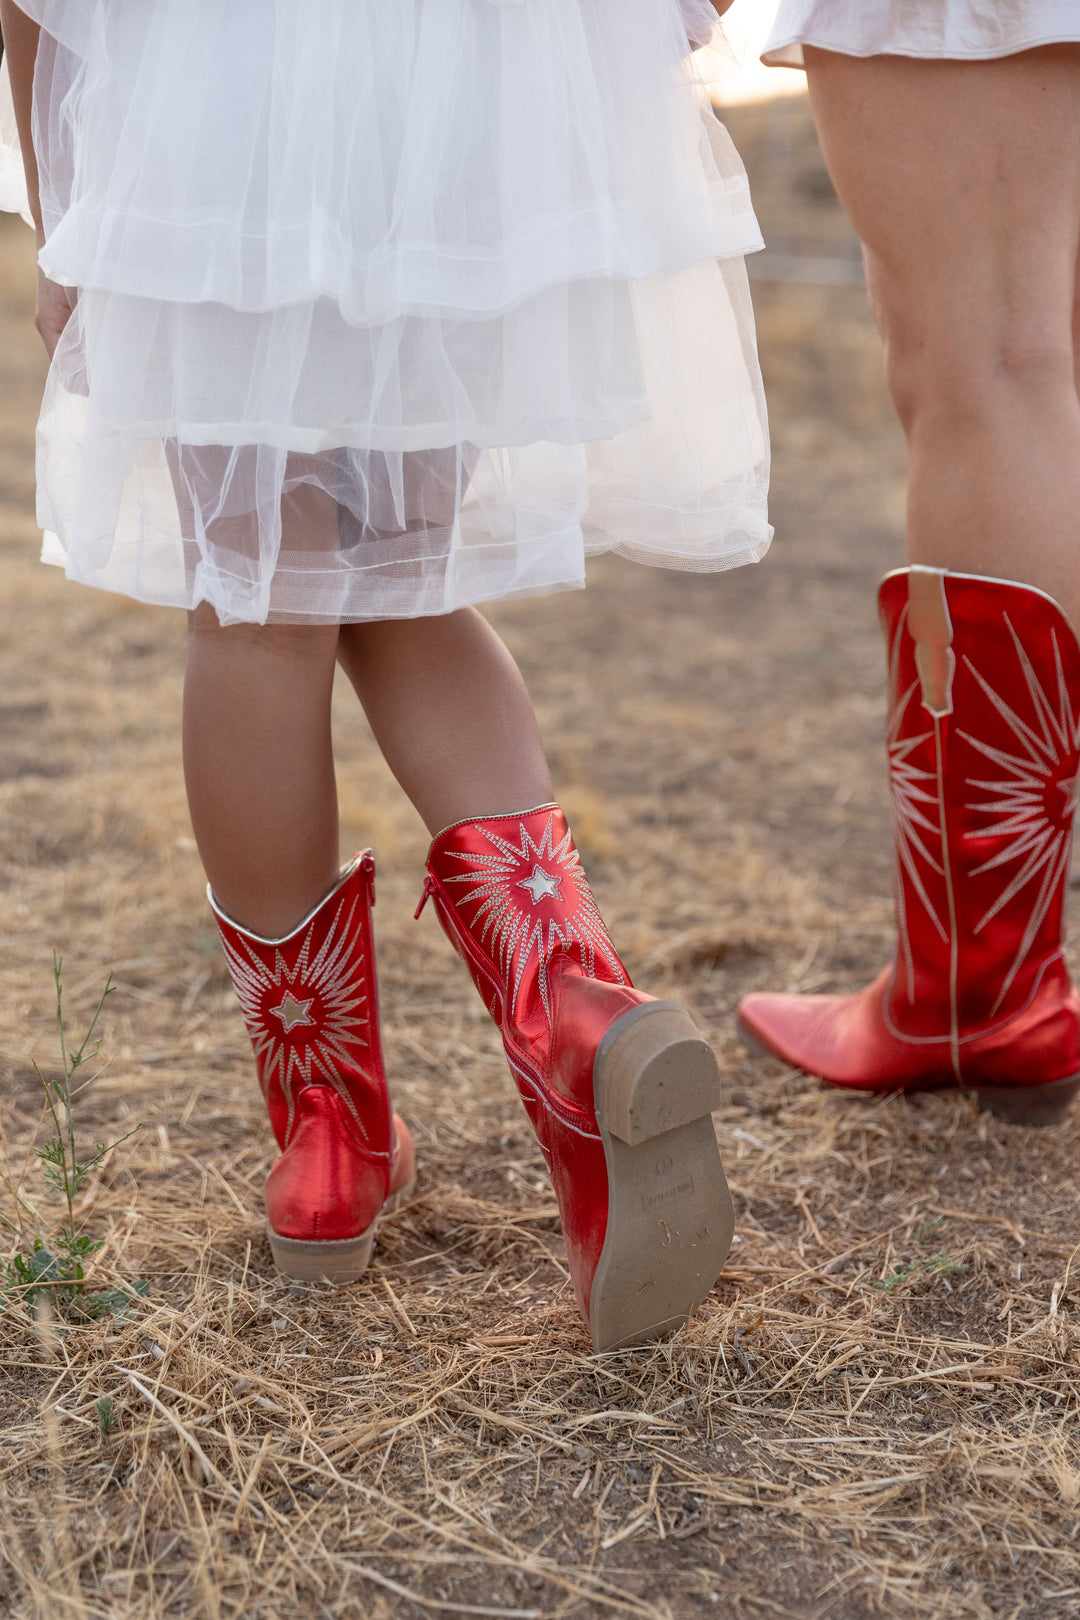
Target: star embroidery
[(1033, 841), (1071, 789), (293, 1012), (542, 885), (517, 937), (335, 971)]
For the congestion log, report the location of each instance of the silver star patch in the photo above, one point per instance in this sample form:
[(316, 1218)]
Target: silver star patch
[(293, 1012), (542, 885)]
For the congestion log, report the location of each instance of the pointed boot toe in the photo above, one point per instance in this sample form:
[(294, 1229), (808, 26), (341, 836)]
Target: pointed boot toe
[(984, 761)]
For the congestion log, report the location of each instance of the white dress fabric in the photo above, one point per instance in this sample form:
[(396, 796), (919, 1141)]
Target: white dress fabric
[(958, 30), (12, 184), (390, 306)]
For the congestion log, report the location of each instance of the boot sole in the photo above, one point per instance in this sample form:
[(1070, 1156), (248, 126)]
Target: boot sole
[(670, 1217), (1030, 1105), (338, 1260), (1038, 1105)]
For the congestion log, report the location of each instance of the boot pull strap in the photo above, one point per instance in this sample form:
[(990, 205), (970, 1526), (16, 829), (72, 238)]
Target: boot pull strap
[(931, 630), (430, 888)]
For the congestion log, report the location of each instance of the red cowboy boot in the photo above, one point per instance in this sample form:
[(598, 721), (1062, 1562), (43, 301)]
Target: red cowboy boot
[(984, 755), (311, 1006), (618, 1086)]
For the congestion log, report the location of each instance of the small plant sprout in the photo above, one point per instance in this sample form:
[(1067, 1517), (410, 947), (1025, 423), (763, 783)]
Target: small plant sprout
[(938, 1265), (55, 1271), (105, 1413), (943, 1265)]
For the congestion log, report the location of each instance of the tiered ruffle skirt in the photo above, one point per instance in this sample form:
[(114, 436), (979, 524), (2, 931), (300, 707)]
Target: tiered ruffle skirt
[(386, 308)]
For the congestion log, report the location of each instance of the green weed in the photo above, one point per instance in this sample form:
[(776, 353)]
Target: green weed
[(937, 1265), (53, 1270), (105, 1413)]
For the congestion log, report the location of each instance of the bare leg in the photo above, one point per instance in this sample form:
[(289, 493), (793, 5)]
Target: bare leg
[(451, 714), (259, 766), (446, 702), (963, 180), (445, 699)]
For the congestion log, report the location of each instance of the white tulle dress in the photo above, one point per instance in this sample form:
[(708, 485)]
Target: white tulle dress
[(390, 306), (958, 30)]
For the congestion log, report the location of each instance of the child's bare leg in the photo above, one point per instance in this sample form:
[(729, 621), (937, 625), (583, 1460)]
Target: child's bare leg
[(259, 766), (455, 723), (446, 702), (451, 714)]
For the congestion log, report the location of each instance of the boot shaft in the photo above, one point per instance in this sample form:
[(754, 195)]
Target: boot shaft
[(618, 1086), (984, 753), (310, 1003), (513, 896)]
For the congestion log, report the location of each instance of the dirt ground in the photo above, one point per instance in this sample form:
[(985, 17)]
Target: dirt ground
[(876, 1411)]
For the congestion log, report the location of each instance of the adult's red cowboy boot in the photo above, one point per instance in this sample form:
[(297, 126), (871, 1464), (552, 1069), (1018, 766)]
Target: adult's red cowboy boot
[(310, 1002), (984, 756), (618, 1086)]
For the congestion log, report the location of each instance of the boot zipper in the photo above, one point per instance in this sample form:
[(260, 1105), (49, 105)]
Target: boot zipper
[(367, 866), (430, 888)]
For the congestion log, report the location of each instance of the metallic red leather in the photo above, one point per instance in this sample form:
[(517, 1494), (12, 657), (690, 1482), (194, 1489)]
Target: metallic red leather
[(310, 1003), (984, 758), (604, 1071)]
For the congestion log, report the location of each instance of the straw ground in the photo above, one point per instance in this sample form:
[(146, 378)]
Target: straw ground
[(875, 1413)]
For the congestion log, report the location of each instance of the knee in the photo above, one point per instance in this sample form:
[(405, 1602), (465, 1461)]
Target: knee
[(966, 364), (1000, 380), (383, 638), (368, 640), (373, 645), (303, 643)]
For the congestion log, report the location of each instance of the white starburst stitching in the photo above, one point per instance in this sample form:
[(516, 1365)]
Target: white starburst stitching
[(1017, 805), (335, 975), (511, 931)]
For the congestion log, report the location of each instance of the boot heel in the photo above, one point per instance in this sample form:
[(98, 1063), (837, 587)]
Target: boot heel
[(670, 1220), (1030, 1105), (340, 1260), (653, 1073)]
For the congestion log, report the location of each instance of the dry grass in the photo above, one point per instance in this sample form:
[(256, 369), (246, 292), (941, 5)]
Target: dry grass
[(874, 1415)]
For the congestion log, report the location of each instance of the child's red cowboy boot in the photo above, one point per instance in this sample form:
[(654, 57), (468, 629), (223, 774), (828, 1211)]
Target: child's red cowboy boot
[(984, 756), (618, 1086), (311, 1006)]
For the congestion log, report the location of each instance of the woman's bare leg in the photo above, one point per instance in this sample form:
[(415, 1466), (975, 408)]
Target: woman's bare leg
[(451, 714), (963, 181), (259, 766)]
